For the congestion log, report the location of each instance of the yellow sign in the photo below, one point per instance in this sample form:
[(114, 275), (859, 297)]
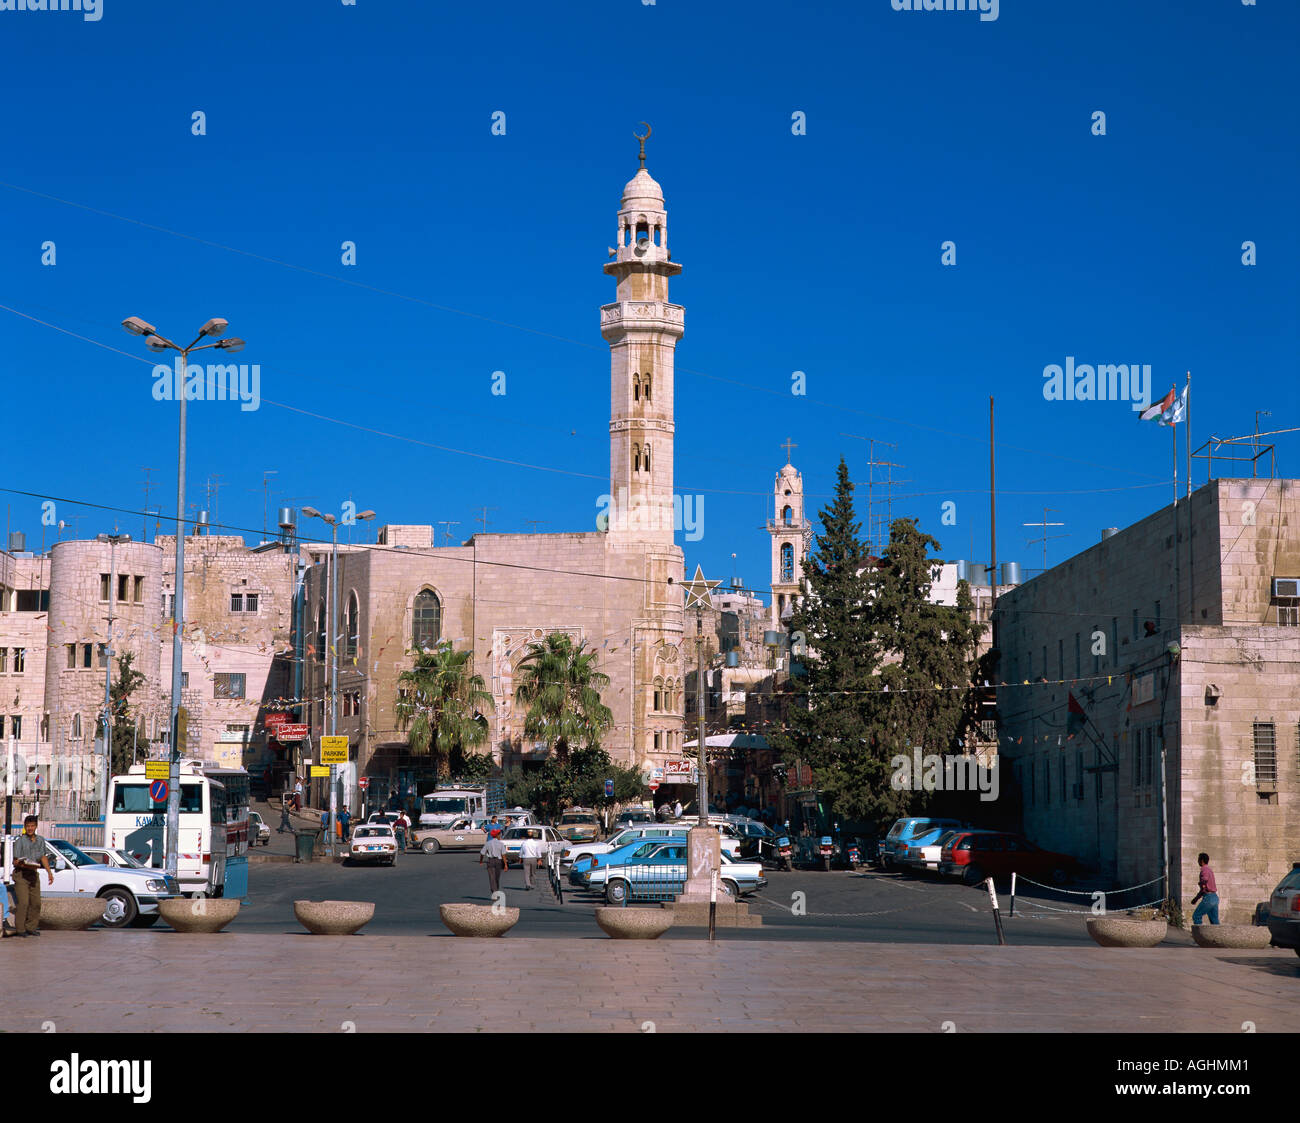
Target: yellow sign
[(320, 770), (334, 750), (157, 770)]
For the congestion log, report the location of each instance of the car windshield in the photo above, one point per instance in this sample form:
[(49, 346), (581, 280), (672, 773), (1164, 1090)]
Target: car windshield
[(373, 832), (73, 855), (582, 820), (617, 840), (131, 860), (438, 805)]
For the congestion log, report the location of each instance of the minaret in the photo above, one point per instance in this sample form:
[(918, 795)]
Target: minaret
[(642, 330), (791, 535)]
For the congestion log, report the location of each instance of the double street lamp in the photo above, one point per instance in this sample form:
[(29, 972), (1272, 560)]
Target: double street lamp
[(213, 329), (331, 645)]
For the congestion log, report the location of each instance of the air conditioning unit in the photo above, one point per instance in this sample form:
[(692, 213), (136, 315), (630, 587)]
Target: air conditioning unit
[(1286, 586)]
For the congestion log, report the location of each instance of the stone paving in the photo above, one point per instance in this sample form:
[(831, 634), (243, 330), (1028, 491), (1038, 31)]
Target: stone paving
[(162, 981)]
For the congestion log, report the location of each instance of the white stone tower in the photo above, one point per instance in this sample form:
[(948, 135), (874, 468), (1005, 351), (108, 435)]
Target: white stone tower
[(791, 535), (642, 329)]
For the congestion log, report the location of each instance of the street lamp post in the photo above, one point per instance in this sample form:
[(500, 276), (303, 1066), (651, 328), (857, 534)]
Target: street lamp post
[(112, 540), (703, 844), (331, 645), (213, 329)]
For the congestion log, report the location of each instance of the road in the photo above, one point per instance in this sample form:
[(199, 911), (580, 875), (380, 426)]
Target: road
[(836, 905)]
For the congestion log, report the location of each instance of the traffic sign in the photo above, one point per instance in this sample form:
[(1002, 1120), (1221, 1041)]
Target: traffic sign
[(609, 788), (363, 783), (654, 785), (319, 771), (333, 750), (158, 791), (157, 770)]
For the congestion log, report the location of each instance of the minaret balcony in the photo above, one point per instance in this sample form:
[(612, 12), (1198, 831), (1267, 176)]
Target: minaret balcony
[(641, 315)]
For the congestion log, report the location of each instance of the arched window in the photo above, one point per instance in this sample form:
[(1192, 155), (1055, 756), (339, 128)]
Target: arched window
[(352, 627), (76, 727), (636, 458), (787, 562), (426, 628), (646, 383), (642, 230), (787, 516), (320, 633), (636, 387), (647, 456)]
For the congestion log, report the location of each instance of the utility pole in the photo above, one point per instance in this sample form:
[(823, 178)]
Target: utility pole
[(703, 843)]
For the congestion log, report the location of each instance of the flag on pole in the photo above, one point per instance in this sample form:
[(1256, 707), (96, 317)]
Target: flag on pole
[(1177, 411), (1159, 408)]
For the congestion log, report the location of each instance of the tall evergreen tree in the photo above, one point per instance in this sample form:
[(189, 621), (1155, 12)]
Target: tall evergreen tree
[(833, 637)]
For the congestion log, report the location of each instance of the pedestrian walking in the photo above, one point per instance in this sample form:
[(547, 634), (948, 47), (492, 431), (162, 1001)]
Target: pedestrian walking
[(286, 824), (345, 821), (324, 822), (400, 826), (1208, 893), (297, 794), (494, 850), (30, 857), (531, 850)]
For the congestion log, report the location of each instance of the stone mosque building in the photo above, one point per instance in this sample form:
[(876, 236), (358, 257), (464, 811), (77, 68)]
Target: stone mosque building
[(618, 589)]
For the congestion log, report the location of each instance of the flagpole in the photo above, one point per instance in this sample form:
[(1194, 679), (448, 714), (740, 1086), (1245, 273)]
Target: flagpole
[(1187, 420)]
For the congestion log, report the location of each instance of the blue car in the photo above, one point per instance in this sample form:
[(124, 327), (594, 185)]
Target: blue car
[(902, 833), (580, 873)]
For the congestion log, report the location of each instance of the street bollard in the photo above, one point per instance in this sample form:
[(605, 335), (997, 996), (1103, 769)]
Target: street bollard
[(1012, 911), (997, 916)]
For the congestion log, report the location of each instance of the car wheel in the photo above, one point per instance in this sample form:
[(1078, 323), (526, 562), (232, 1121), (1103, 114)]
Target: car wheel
[(146, 921), (119, 908), (732, 888), (429, 846), (616, 892), (973, 875)]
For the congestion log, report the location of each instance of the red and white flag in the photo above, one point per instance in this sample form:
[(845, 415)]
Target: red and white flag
[(1160, 407)]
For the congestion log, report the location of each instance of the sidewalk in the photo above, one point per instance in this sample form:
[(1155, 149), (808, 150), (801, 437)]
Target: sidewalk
[(161, 981)]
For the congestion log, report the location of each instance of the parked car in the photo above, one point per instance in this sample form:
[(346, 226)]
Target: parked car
[(635, 817), (258, 831), (1284, 911), (639, 845), (513, 839), (922, 854), (658, 869), (579, 824), (119, 859), (974, 855), (903, 832), (130, 895), (373, 842), (389, 817), (464, 834), (579, 850)]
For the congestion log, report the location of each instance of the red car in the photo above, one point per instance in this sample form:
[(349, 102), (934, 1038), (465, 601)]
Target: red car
[(974, 855)]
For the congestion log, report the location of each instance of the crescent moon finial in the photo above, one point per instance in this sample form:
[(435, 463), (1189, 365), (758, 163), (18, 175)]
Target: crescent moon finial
[(643, 139)]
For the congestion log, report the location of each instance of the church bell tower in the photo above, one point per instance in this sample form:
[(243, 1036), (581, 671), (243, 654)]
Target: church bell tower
[(642, 329)]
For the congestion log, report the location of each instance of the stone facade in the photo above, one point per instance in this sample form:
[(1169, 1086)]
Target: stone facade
[(1168, 636)]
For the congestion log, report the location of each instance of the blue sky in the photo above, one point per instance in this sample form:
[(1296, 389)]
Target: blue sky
[(819, 253)]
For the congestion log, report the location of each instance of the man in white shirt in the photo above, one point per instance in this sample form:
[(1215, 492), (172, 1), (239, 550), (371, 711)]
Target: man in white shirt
[(494, 850), (531, 850)]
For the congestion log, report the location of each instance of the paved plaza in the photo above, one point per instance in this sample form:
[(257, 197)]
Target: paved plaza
[(162, 981)]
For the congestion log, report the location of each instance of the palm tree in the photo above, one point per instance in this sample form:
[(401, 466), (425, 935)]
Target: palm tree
[(442, 701), (561, 687)]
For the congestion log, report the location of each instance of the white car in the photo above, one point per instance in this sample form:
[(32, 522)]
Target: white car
[(514, 837), (258, 831), (927, 858), (130, 896), (575, 851), (737, 879), (119, 859), (373, 842)]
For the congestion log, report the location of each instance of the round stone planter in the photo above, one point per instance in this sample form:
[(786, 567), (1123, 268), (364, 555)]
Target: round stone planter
[(1126, 932), (634, 924), (478, 920), (1231, 936), (201, 914), (70, 914), (333, 918)]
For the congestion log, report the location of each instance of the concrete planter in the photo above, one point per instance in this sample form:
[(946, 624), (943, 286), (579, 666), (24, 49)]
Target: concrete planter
[(634, 924), (478, 920), (1126, 932), (70, 914), (333, 918), (202, 914), (1230, 936)]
